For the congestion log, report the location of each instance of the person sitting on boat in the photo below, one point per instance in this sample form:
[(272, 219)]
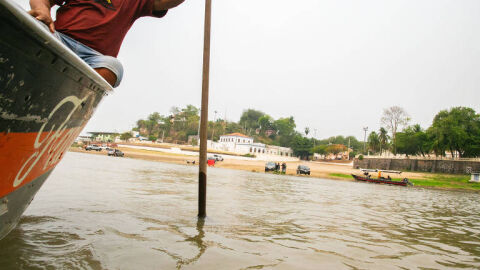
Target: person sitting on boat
[(95, 29)]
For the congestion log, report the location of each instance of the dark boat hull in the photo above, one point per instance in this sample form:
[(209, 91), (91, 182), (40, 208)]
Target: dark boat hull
[(380, 181), (14, 204), (47, 95)]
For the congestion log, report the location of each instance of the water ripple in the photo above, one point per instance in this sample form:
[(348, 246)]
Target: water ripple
[(142, 215)]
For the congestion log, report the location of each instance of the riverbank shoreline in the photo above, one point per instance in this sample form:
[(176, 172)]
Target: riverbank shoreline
[(323, 170)]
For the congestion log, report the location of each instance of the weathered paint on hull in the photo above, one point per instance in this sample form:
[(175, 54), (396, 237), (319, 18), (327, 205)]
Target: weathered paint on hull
[(14, 204), (47, 95)]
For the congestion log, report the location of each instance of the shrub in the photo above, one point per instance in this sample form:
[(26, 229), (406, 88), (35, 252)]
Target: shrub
[(360, 157)]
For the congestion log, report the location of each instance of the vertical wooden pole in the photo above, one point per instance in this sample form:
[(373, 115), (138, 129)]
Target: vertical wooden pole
[(202, 176)]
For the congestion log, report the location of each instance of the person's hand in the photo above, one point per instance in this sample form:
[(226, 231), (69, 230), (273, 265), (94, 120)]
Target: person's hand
[(42, 13)]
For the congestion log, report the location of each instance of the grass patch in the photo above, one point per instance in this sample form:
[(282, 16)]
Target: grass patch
[(433, 180), (341, 175), (447, 181)]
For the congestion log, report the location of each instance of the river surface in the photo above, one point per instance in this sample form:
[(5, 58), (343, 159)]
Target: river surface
[(99, 212)]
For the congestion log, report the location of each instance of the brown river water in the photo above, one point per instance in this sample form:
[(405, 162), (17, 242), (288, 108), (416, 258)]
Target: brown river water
[(99, 212)]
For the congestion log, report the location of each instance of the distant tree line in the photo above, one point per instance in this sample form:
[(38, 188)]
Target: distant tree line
[(456, 131)]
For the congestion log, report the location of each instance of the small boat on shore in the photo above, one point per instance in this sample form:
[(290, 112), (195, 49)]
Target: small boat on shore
[(380, 179), (47, 96)]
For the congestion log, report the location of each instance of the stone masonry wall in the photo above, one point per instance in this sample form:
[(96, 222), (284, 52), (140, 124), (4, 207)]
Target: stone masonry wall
[(434, 166)]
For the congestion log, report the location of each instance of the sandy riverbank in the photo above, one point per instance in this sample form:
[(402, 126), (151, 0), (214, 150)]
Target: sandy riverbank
[(318, 169)]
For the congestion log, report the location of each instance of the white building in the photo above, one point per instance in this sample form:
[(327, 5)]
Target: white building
[(242, 144), (279, 151), (238, 143)]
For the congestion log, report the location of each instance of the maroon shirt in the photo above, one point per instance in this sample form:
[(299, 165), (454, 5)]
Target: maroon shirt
[(101, 24)]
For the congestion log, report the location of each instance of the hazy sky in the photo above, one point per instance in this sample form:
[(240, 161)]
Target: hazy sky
[(333, 65)]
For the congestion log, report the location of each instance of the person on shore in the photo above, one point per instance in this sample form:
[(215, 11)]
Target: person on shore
[(284, 167), (95, 29)]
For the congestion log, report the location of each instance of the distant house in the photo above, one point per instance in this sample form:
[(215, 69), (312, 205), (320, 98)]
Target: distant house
[(270, 132), (83, 139), (279, 151)]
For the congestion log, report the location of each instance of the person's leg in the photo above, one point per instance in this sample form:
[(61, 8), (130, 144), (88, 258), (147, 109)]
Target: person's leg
[(106, 66), (108, 75)]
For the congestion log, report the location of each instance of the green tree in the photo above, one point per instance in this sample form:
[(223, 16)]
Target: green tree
[(125, 136), (335, 149), (176, 126), (456, 130), (265, 122), (232, 127), (320, 149), (405, 143), (249, 120), (413, 141), (285, 128), (301, 146), (354, 144)]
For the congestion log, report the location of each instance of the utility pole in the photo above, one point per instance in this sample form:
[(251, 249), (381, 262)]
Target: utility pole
[(202, 164), (348, 149), (365, 140), (213, 128), (225, 122)]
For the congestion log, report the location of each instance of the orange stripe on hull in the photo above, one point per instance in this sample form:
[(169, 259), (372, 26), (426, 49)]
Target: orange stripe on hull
[(26, 156)]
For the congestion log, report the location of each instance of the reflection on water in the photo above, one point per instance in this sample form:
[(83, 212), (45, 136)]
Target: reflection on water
[(196, 240), (99, 212)]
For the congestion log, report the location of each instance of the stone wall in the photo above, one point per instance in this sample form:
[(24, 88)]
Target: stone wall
[(420, 165)]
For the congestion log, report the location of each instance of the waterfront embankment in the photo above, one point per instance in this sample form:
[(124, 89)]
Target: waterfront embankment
[(328, 170), (447, 166)]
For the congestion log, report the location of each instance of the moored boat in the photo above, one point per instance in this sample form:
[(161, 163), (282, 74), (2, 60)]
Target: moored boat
[(381, 180), (47, 95)]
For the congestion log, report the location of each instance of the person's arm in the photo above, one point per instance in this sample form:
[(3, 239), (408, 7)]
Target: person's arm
[(40, 9), (160, 5)]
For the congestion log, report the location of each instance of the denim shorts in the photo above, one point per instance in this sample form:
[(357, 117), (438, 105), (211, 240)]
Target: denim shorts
[(93, 58)]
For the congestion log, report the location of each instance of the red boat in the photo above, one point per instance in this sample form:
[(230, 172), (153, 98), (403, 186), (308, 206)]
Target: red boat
[(47, 95), (381, 180)]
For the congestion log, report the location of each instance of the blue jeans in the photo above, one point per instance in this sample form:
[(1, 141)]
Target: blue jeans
[(93, 58)]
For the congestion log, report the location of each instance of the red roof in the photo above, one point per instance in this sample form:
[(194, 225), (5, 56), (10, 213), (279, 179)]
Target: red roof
[(237, 135)]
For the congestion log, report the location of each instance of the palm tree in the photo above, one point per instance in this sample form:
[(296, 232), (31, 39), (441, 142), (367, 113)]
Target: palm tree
[(383, 137), (373, 142)]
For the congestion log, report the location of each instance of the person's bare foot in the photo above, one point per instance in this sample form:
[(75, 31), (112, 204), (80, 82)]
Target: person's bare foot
[(108, 75)]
